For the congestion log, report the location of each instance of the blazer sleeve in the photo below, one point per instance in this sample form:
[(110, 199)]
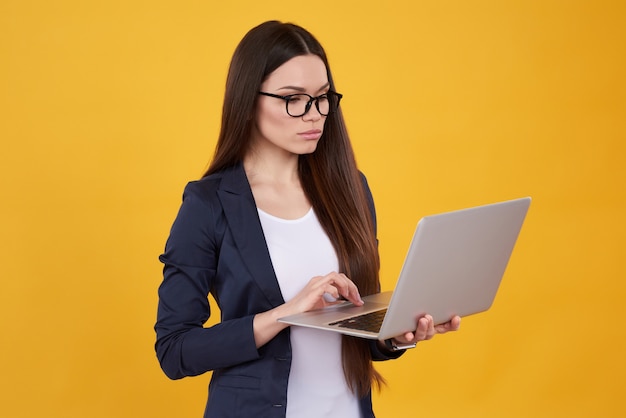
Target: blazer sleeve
[(183, 346)]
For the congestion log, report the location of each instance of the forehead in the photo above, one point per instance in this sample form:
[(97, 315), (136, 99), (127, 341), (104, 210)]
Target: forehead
[(306, 72)]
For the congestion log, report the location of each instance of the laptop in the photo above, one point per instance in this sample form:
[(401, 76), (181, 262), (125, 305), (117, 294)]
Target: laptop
[(454, 266)]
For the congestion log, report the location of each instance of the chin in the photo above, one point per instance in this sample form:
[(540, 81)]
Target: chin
[(306, 148)]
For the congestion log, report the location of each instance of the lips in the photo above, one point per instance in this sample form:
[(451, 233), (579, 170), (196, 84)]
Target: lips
[(311, 134)]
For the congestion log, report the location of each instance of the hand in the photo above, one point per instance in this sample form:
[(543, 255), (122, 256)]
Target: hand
[(312, 296), (266, 324), (426, 329)]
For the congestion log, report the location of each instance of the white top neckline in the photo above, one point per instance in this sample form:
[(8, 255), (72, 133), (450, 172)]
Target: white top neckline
[(279, 219)]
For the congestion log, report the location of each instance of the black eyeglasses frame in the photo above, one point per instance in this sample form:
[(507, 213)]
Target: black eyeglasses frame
[(312, 99)]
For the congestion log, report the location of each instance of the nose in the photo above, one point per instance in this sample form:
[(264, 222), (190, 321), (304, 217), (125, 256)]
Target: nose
[(313, 114)]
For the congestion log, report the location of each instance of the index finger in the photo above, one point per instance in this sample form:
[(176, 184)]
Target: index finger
[(347, 289)]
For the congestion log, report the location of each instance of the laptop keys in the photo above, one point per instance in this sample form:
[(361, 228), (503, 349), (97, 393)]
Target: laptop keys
[(367, 322)]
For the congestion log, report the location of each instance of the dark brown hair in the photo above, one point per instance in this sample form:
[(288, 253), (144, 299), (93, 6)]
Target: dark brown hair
[(329, 175)]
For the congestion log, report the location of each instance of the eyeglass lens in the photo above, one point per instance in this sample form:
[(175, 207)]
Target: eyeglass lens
[(299, 104)]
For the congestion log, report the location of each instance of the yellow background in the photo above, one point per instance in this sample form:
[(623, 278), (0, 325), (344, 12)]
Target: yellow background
[(108, 108)]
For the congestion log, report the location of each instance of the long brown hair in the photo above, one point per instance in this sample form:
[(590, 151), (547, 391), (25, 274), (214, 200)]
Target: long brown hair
[(329, 175)]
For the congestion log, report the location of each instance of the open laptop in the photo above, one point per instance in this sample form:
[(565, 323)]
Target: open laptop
[(454, 266)]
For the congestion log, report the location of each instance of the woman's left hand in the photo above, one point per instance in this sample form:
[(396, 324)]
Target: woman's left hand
[(426, 329)]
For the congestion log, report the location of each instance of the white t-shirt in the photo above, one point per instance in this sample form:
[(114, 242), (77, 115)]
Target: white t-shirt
[(301, 250)]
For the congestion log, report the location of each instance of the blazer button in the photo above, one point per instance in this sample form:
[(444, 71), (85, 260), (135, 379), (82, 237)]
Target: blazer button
[(277, 405)]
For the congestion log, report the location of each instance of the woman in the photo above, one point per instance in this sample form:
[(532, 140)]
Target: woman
[(281, 223)]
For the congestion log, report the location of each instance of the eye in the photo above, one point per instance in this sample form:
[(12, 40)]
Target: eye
[(297, 98), (323, 98)]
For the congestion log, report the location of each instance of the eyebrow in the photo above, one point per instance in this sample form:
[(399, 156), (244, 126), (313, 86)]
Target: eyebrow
[(301, 89)]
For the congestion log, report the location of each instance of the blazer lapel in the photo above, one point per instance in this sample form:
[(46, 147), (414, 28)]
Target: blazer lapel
[(243, 220)]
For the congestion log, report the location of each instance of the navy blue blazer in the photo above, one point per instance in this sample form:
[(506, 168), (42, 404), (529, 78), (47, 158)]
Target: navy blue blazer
[(216, 245)]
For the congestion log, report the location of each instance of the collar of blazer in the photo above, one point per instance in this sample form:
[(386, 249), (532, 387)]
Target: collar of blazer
[(243, 220)]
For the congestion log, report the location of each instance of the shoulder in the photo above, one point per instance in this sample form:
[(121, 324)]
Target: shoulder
[(201, 216), (206, 189), (369, 198), (366, 188), (363, 180)]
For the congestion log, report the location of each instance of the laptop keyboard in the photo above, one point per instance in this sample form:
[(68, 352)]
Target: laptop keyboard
[(367, 322)]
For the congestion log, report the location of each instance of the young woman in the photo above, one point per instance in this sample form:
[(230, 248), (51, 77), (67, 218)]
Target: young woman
[(281, 223)]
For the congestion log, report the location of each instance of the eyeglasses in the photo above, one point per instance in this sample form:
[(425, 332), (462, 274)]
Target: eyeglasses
[(299, 104)]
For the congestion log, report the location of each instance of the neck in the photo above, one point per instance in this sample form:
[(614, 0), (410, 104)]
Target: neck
[(275, 184), (278, 168)]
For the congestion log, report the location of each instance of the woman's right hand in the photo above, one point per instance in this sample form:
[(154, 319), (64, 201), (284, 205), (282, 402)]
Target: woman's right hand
[(337, 285)]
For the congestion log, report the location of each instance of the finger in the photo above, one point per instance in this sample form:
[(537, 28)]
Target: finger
[(331, 290), (455, 323), (346, 288), (425, 328), (430, 333), (452, 325), (341, 294), (422, 329), (353, 295)]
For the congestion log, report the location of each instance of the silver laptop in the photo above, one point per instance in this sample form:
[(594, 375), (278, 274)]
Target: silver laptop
[(454, 266)]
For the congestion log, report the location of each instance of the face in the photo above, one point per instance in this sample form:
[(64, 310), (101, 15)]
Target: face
[(274, 130)]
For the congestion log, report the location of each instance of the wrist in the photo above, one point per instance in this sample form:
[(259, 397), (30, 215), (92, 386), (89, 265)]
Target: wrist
[(393, 345)]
